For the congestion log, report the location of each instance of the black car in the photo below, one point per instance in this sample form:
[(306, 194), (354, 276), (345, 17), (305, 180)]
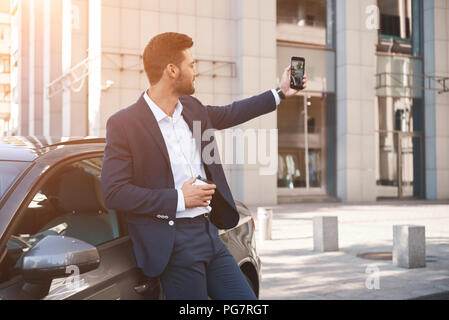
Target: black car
[(57, 238)]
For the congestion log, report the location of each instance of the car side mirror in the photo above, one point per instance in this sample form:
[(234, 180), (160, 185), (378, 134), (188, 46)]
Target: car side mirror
[(51, 257)]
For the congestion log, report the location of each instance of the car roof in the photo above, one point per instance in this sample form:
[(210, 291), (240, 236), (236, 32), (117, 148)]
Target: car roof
[(28, 148)]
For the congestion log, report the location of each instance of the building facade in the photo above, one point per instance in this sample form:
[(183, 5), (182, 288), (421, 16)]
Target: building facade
[(371, 124), (5, 80)]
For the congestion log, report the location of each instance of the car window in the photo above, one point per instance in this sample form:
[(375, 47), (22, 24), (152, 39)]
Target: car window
[(69, 204), (9, 172)]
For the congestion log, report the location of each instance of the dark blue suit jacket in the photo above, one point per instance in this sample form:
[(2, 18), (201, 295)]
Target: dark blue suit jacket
[(137, 179)]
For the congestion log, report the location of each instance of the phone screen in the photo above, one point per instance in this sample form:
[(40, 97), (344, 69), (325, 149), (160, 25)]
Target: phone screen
[(297, 73)]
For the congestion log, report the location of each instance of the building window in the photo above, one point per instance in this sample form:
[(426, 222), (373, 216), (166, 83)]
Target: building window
[(4, 64), (302, 21), (4, 31), (5, 92), (400, 26)]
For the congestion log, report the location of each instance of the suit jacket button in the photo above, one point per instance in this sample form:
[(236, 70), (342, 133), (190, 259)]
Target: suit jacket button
[(171, 222)]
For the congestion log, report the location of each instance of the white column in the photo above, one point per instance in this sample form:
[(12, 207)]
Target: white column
[(94, 67), (402, 16), (66, 63), (256, 70), (356, 69), (436, 48), (46, 69), (31, 68)]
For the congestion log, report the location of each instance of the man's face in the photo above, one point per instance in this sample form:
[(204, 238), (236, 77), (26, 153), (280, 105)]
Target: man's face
[(185, 84)]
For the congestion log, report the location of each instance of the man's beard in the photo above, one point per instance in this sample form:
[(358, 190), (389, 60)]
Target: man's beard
[(184, 86)]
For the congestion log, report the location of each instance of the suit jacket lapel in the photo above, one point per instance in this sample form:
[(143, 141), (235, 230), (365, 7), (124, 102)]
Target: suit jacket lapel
[(152, 126), (188, 117)]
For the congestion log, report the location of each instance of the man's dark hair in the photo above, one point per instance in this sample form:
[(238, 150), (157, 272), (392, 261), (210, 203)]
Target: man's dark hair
[(162, 50)]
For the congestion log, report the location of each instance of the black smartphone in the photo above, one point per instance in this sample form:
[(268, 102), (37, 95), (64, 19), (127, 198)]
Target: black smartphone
[(298, 67), (200, 180)]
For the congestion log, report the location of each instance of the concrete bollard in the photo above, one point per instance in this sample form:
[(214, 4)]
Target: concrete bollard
[(264, 217), (325, 234), (409, 246)]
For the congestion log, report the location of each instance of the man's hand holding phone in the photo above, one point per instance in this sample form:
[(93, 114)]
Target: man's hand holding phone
[(197, 193), (285, 83)]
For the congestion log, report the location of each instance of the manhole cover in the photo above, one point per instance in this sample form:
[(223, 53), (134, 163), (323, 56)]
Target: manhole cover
[(376, 256), (386, 256)]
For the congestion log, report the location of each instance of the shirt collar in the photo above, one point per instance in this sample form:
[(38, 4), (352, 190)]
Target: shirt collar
[(157, 111)]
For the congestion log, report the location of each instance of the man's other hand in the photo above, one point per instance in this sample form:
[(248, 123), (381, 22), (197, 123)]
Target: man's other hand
[(197, 195)]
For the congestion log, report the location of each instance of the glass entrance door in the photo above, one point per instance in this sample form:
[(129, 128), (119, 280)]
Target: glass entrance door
[(400, 156), (302, 145), (387, 180), (410, 177)]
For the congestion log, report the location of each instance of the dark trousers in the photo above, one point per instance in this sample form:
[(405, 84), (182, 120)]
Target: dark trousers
[(201, 266)]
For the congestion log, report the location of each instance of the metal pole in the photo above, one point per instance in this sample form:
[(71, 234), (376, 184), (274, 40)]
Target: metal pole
[(306, 143)]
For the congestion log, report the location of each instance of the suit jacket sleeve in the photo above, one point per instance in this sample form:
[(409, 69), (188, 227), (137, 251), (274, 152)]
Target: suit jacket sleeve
[(241, 111), (116, 179)]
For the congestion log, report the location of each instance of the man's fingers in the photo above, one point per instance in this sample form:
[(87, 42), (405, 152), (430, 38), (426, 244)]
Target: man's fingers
[(207, 193), (201, 203), (190, 181), (304, 81), (207, 186)]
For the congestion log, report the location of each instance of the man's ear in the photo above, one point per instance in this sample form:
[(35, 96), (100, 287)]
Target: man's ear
[(172, 71)]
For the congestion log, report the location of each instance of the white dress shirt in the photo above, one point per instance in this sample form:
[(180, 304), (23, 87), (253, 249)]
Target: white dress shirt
[(184, 154)]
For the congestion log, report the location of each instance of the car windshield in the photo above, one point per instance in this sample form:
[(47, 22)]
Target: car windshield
[(9, 172)]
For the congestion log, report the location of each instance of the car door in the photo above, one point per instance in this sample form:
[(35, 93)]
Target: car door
[(69, 203)]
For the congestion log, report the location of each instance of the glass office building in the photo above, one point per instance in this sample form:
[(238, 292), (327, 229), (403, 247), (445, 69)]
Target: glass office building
[(364, 141)]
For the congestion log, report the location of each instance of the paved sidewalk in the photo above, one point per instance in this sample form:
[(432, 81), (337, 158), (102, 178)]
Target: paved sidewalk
[(292, 270)]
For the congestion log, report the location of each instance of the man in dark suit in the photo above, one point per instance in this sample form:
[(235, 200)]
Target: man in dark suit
[(149, 169)]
